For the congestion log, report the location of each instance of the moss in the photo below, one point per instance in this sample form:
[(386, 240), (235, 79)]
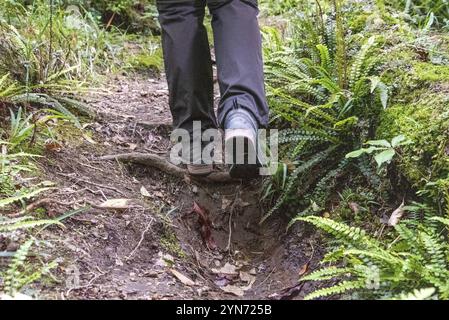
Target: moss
[(430, 72), (170, 242), (147, 61), (358, 23), (426, 123)]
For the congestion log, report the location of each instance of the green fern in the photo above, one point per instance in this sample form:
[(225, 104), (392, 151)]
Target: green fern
[(24, 223), (11, 283), (292, 179), (307, 90), (418, 258), (21, 196), (419, 294), (360, 60), (340, 288), (326, 274)]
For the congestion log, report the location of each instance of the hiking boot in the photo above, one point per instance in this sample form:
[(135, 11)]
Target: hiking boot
[(241, 144)]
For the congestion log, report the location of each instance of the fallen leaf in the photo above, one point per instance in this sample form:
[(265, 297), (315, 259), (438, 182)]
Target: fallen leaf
[(53, 146), (354, 207), (396, 215), (144, 192), (205, 226), (116, 204), (221, 282), (225, 203), (89, 139), (237, 291), (303, 269), (184, 279), (164, 260), (248, 278), (226, 269), (132, 146), (159, 194)]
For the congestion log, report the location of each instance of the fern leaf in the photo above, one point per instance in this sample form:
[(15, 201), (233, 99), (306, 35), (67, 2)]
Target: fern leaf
[(340, 288), (326, 274), (11, 279), (341, 231), (7, 201)]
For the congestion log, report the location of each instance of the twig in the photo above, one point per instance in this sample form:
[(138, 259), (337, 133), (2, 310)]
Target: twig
[(228, 247), (38, 204), (142, 237), (89, 182), (86, 285), (237, 197)]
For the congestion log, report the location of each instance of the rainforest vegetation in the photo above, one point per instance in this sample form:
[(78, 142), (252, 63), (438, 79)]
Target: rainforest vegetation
[(359, 91)]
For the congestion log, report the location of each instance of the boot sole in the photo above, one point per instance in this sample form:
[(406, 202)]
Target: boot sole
[(199, 169), (245, 169)]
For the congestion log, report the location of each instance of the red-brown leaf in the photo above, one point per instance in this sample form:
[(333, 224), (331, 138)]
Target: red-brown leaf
[(205, 226)]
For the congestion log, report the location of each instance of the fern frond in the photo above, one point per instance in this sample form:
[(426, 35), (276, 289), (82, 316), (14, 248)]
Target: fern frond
[(436, 252), (26, 195), (380, 255), (418, 294), (442, 220), (11, 279), (325, 58), (341, 231), (293, 178), (360, 59), (340, 288), (326, 274), (25, 224)]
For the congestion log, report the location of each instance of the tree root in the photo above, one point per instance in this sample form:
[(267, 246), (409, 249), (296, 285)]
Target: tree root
[(161, 163)]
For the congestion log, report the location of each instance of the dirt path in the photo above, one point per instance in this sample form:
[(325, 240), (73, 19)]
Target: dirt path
[(153, 248)]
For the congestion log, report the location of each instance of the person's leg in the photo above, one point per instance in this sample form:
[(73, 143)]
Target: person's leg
[(243, 107), (188, 67), (188, 63), (238, 50)]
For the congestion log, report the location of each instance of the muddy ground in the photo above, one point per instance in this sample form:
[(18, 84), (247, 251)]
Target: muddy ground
[(153, 247)]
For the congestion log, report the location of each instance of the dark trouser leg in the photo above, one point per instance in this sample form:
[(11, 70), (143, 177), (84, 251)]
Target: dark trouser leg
[(188, 62), (238, 49)]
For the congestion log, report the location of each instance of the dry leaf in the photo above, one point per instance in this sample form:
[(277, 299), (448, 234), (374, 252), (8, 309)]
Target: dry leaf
[(89, 139), (248, 278), (354, 207), (226, 269), (205, 226), (159, 194), (116, 204), (225, 203), (396, 215), (234, 290), (53, 146), (132, 146), (303, 269), (144, 192), (184, 279)]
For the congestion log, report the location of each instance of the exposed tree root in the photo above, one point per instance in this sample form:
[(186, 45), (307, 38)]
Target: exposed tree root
[(161, 163)]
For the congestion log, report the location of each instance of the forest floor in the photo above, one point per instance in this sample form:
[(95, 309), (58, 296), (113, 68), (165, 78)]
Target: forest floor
[(154, 247)]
